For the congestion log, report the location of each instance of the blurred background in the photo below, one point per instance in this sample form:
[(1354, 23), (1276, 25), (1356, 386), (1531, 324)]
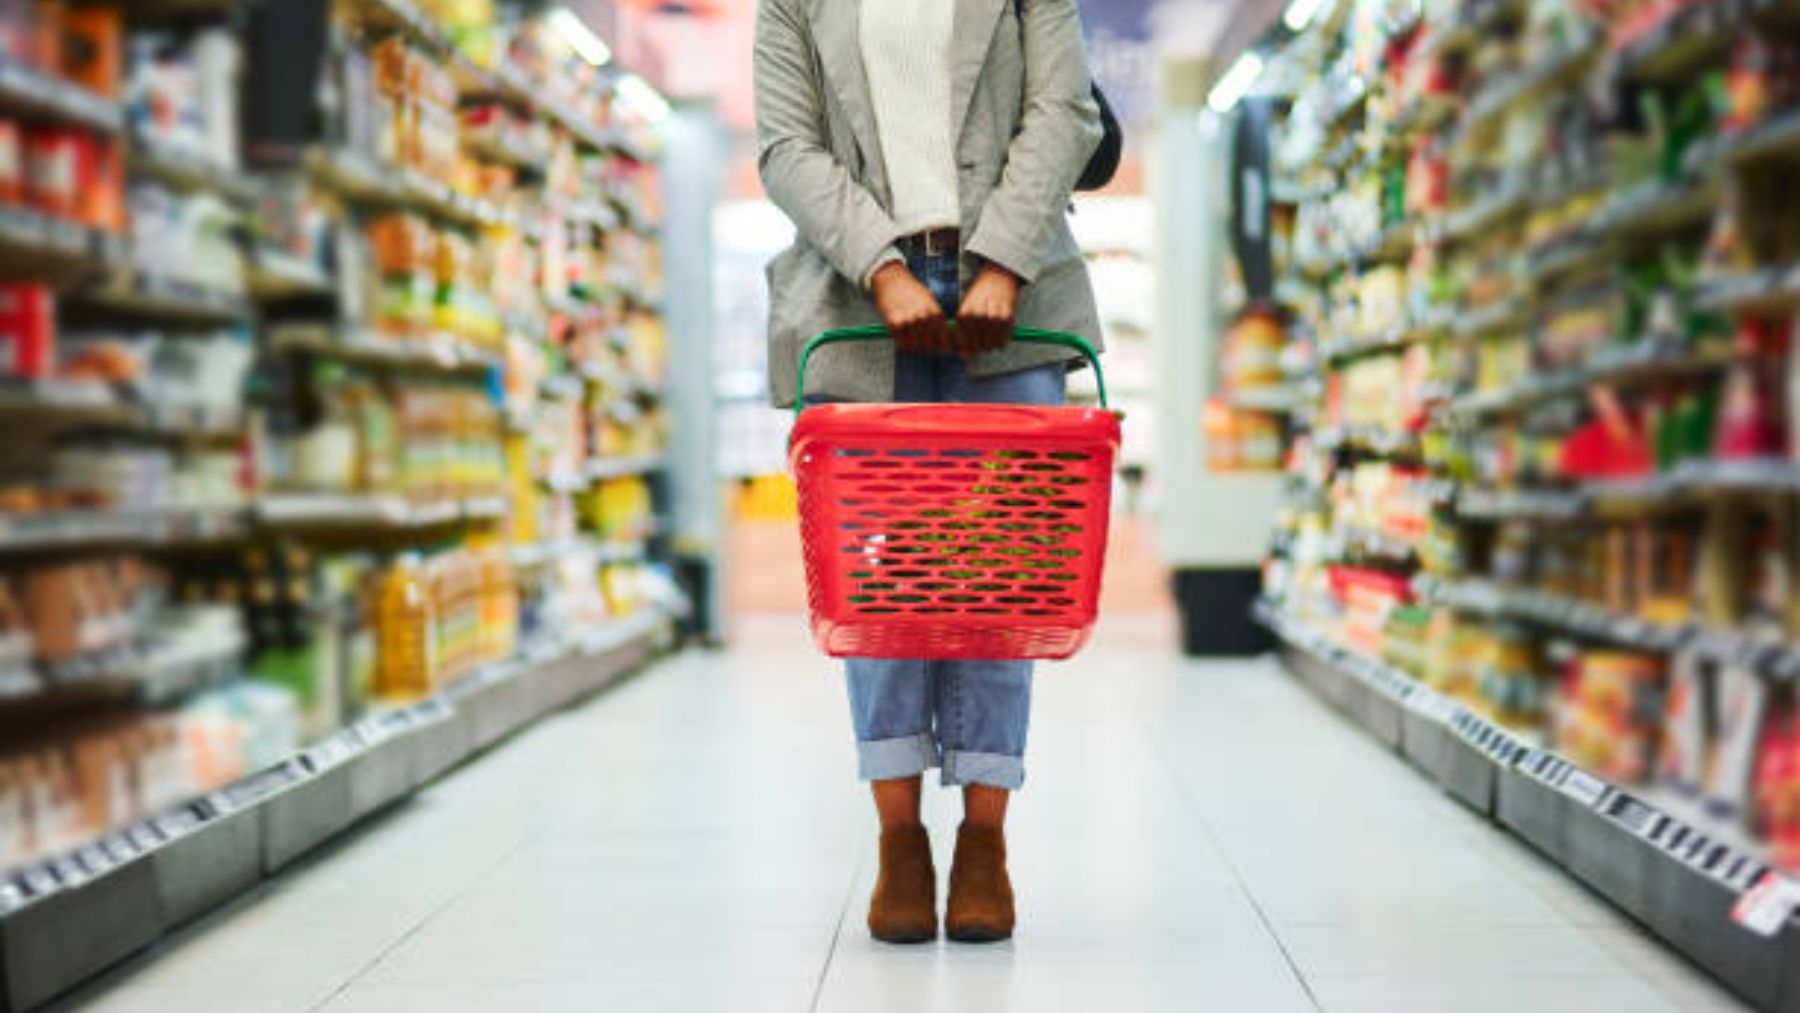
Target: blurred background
[(382, 375)]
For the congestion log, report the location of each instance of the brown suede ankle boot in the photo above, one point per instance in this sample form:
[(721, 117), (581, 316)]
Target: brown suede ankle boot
[(981, 896), (904, 906)]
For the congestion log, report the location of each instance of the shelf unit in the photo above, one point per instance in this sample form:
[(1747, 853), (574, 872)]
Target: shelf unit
[(70, 917), (1679, 872), (308, 328), (1518, 296)]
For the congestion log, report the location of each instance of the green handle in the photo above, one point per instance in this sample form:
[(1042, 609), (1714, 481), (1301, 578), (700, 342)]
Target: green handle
[(877, 332)]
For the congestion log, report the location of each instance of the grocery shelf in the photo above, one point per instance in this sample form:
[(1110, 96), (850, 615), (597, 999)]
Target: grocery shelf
[(604, 468), (1442, 40), (1552, 504), (566, 482), (1473, 220), (1580, 254), (1563, 238), (68, 400), (540, 553), (1275, 399), (361, 179), (1685, 877), (485, 508), (275, 274), (1769, 290), (53, 404), (1773, 659), (1648, 359), (1558, 612), (151, 674), (1657, 206), (1398, 339), (150, 297), (37, 246), (1503, 315), (409, 19), (67, 918), (503, 152), (1778, 136), (1374, 546), (1525, 84), (128, 712), (30, 92), (546, 552), (570, 306), (350, 510), (190, 171), (1369, 440), (439, 354), (83, 529), (1687, 39), (476, 81), (598, 214), (1426, 114), (1689, 484)]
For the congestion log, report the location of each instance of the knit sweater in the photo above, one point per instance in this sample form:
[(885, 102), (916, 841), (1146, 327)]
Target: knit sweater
[(906, 55)]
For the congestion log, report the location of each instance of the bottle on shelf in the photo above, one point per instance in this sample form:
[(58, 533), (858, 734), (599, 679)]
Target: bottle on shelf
[(409, 659)]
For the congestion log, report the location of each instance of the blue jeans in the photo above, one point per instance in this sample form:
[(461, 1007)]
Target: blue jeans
[(967, 717)]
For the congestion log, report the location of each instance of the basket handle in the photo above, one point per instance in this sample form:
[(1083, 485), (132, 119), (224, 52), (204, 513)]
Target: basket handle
[(877, 332)]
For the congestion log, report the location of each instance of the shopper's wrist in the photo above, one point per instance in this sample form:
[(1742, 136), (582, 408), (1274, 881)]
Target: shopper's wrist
[(995, 268), (889, 261)]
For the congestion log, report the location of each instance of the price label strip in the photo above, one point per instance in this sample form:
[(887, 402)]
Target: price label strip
[(1431, 704), (1583, 787), (1767, 906)]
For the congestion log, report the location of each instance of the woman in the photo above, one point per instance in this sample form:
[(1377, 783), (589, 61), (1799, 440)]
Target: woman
[(926, 150)]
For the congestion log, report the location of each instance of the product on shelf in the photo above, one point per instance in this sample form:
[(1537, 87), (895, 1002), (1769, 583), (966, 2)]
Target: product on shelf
[(1543, 288), (75, 175), (27, 331), (309, 439), (181, 94), (185, 240), (57, 793)]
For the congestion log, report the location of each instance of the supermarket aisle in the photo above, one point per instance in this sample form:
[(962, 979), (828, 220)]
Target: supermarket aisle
[(1194, 837)]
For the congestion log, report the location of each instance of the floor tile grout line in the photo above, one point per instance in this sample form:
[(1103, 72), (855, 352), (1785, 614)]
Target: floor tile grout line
[(837, 932), (1237, 876), (419, 926)]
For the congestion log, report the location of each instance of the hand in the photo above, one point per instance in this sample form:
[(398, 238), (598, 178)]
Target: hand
[(911, 312), (989, 309)]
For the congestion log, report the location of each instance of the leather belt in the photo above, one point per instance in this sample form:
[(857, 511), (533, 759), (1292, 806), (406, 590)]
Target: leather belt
[(933, 242)]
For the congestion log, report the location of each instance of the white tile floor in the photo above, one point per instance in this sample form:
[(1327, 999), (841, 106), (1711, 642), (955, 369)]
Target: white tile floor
[(1194, 837)]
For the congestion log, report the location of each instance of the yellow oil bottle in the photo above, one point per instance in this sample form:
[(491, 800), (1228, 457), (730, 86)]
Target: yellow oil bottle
[(409, 661)]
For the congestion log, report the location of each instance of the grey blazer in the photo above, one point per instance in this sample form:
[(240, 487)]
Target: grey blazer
[(1028, 124)]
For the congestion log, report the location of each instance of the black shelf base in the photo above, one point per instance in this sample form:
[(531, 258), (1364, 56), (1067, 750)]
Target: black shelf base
[(1213, 603)]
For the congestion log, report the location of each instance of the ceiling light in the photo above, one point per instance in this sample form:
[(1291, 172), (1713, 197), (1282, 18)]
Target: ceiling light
[(1236, 82), (579, 36)]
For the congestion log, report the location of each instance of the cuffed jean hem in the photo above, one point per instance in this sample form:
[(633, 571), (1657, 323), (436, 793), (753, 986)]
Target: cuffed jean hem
[(991, 769), (890, 759)]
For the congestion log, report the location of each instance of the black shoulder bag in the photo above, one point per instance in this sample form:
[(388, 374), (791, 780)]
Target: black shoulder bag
[(1103, 165)]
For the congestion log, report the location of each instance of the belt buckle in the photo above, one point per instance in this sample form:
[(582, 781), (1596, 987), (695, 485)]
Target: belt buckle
[(934, 245)]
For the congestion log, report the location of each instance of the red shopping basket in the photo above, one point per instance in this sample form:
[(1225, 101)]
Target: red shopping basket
[(953, 531)]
